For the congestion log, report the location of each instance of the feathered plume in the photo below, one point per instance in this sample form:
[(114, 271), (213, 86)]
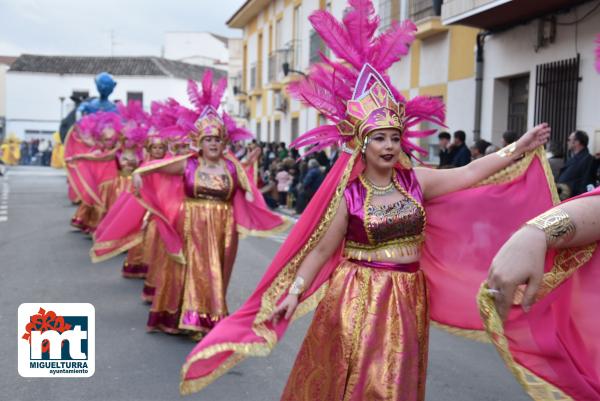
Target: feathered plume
[(211, 93)]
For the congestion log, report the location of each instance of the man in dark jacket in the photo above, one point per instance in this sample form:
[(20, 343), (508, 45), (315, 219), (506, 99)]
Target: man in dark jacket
[(577, 171), (444, 154), (461, 153)]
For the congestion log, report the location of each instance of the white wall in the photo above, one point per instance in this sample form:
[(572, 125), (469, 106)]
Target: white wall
[(460, 105), (433, 66), (3, 69), (200, 48), (33, 98), (512, 53)]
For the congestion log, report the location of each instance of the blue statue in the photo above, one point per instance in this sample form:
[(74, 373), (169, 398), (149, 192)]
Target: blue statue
[(105, 84)]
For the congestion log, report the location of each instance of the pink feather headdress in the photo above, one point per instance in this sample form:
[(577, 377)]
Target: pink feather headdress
[(136, 125), (355, 93), (96, 125), (205, 120)]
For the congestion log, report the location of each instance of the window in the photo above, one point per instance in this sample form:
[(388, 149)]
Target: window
[(277, 131), (316, 46), (296, 61), (80, 94), (139, 96), (431, 143), (385, 11), (556, 98), (518, 99), (295, 128), (268, 131), (258, 135)]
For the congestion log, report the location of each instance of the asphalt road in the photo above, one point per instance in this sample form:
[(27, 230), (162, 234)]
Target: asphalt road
[(43, 260)]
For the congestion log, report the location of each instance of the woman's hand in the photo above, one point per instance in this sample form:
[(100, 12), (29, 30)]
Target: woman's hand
[(533, 138), (519, 261), (249, 196), (286, 309), (137, 183)]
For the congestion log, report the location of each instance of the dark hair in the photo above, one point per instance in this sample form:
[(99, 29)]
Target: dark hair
[(510, 137), (460, 135), (482, 145), (557, 150), (582, 138), (444, 135)]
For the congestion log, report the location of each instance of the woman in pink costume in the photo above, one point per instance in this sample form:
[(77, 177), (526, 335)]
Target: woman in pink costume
[(540, 300), (203, 204), (91, 171), (136, 124), (380, 239)]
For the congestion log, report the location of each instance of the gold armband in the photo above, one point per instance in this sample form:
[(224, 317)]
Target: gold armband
[(556, 224), (507, 151), (297, 287)]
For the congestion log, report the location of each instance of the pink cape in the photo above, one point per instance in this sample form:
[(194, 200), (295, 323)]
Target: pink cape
[(455, 271), (85, 176), (162, 196), (553, 350)]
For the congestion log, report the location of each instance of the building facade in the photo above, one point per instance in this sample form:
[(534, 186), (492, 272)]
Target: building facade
[(537, 64), (441, 62), (38, 88)]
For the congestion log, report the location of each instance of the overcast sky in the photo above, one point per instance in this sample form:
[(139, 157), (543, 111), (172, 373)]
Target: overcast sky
[(83, 27)]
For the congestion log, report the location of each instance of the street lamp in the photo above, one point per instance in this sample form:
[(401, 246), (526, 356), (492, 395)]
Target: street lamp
[(287, 70), (238, 91)]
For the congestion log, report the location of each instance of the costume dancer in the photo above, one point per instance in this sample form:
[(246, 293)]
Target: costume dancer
[(361, 248), (91, 165), (204, 202)]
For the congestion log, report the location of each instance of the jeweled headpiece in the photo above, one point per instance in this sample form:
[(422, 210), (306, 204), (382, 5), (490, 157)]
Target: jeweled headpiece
[(372, 107)]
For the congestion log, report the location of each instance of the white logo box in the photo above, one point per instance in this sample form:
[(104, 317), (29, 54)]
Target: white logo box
[(79, 364)]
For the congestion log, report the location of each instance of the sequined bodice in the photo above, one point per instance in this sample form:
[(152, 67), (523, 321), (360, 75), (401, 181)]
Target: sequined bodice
[(395, 220), (202, 185), (378, 231)]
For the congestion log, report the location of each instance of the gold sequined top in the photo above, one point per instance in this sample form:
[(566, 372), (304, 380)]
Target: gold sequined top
[(380, 232)]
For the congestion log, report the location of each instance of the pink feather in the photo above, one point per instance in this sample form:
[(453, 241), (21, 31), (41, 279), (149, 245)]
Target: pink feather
[(217, 93), (390, 46), (336, 37), (194, 94), (361, 23), (207, 84)]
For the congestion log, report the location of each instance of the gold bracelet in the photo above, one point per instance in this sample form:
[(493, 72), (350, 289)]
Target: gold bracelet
[(297, 287), (508, 150), (556, 224)]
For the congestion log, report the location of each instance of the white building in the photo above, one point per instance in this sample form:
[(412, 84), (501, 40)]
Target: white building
[(209, 50), (538, 64), (38, 88), (5, 62)]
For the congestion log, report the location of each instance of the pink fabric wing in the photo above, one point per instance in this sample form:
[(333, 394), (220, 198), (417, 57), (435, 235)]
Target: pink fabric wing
[(465, 230)]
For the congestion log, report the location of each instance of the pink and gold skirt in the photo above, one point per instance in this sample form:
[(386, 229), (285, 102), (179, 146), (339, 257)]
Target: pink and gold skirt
[(154, 257), (134, 266), (210, 248), (368, 339), (86, 218)]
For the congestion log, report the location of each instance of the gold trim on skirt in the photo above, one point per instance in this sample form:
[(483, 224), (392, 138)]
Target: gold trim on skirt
[(368, 339), (210, 247)]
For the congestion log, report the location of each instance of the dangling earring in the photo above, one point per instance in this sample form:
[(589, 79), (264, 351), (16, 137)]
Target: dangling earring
[(364, 146)]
